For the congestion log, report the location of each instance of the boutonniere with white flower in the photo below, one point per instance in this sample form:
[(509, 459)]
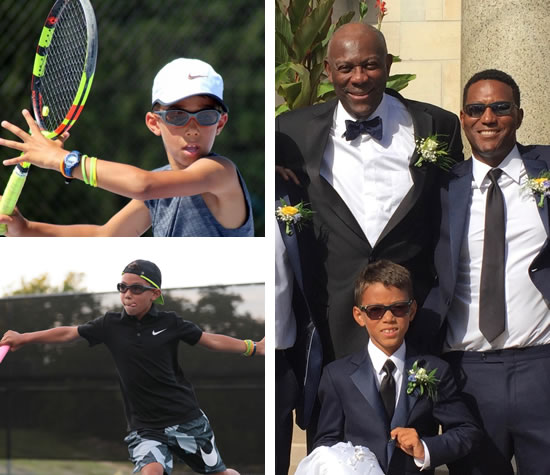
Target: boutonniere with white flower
[(420, 381), (431, 150), (293, 215), (540, 186)]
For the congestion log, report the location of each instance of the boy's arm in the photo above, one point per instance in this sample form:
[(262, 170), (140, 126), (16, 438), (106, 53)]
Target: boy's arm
[(209, 175), (132, 220), (228, 344), (54, 335)]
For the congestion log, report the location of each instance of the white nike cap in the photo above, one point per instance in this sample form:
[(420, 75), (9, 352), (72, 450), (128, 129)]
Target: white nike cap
[(185, 77)]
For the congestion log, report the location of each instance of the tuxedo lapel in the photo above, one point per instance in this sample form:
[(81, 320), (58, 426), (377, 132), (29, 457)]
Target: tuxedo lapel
[(365, 381), (534, 167), (423, 127), (317, 132)]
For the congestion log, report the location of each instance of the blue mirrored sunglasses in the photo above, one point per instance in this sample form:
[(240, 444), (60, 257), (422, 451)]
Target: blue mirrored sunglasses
[(180, 117)]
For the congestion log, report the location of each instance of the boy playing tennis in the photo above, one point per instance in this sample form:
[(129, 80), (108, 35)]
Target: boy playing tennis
[(198, 193), (163, 415)]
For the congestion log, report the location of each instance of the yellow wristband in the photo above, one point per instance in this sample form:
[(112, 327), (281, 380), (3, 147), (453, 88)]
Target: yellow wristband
[(93, 171), (84, 177), (250, 348)]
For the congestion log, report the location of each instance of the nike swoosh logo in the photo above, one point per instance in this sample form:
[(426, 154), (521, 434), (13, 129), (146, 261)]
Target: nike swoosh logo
[(156, 333), (190, 76), (210, 459)]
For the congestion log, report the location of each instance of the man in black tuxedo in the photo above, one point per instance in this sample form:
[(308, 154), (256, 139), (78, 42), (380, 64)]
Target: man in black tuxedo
[(369, 199), (493, 264)]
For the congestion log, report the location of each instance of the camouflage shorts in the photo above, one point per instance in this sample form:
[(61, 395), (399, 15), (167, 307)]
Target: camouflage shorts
[(192, 442)]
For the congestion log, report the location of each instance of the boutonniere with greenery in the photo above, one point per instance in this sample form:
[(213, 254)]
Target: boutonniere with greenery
[(420, 381), (431, 150), (293, 215), (540, 186)]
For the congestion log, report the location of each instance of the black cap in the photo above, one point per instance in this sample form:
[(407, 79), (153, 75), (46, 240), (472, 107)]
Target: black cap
[(148, 271)]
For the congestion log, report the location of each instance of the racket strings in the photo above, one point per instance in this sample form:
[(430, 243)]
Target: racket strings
[(65, 64)]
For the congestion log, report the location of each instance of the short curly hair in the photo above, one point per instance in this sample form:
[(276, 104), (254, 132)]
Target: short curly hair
[(384, 272), (495, 75)]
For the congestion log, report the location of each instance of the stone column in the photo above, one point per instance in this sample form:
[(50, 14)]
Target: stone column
[(513, 36)]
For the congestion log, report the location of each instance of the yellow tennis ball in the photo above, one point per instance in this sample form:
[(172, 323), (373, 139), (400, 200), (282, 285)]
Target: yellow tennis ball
[(45, 111)]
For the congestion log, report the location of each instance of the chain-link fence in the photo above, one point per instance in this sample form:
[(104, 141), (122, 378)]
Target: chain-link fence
[(64, 401), (136, 38)]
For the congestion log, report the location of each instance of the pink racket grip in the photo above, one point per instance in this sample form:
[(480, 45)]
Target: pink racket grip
[(3, 351)]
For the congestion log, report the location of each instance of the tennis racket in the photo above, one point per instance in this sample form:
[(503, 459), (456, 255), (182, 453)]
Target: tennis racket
[(3, 351), (63, 71)]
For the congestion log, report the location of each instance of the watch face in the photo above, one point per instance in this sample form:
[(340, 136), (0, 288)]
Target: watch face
[(71, 160)]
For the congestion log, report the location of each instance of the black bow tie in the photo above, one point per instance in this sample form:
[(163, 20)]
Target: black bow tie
[(372, 127)]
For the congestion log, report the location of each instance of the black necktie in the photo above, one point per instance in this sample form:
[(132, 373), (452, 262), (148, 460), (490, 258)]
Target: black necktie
[(387, 388), (492, 302), (372, 127)]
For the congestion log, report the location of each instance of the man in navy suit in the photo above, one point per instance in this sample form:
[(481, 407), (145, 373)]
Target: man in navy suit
[(298, 355), (494, 315), (369, 199), (365, 398)]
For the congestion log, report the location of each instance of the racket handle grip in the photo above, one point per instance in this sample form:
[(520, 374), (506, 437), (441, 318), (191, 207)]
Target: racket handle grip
[(3, 351), (12, 192)]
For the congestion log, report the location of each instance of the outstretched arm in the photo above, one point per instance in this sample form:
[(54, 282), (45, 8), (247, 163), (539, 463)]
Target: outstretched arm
[(131, 221), (228, 344), (211, 175), (54, 335)]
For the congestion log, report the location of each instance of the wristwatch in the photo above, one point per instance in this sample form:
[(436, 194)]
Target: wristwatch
[(70, 161)]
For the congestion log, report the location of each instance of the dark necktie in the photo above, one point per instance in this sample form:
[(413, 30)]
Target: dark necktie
[(492, 302), (387, 388), (372, 127)]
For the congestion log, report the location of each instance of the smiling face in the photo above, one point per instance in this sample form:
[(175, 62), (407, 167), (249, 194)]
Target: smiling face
[(358, 66), (184, 145), (388, 333), (491, 137), (137, 305)]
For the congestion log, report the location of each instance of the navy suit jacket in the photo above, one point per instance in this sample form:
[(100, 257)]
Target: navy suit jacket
[(306, 356), (455, 206), (352, 410), (342, 248)]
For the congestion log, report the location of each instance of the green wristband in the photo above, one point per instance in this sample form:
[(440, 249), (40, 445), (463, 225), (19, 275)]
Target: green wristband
[(83, 162)]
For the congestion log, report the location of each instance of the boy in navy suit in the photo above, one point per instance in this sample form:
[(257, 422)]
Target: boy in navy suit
[(387, 397)]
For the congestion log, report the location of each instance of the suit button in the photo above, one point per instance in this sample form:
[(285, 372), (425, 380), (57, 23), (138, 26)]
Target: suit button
[(139, 334)]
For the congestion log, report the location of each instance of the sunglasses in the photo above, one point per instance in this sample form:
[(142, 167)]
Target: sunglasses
[(376, 312), (180, 117), (499, 108), (136, 289)]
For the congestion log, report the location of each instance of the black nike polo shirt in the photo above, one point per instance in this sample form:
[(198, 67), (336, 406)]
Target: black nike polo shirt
[(156, 393)]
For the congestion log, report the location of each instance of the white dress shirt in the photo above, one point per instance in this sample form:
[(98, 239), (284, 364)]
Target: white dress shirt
[(372, 177), (285, 321), (527, 315), (378, 359)]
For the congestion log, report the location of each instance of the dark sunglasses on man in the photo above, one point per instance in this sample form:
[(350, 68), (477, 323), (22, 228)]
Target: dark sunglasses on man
[(500, 108), (376, 312), (180, 117), (135, 289)]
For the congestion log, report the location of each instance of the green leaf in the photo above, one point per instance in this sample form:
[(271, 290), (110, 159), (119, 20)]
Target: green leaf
[(324, 88), (296, 12), (363, 9), (306, 34), (399, 81), (396, 59), (283, 38), (281, 108)]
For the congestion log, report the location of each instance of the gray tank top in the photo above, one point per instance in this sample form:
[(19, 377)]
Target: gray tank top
[(186, 216)]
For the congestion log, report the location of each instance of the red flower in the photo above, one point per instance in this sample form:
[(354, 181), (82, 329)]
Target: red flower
[(381, 6)]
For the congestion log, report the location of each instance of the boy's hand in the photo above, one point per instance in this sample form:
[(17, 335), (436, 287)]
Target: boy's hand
[(17, 224), (12, 339), (37, 149), (408, 441), (260, 347)]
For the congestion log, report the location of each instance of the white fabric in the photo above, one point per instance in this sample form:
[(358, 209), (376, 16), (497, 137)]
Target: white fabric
[(372, 177), (527, 315), (340, 459), (285, 321)]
